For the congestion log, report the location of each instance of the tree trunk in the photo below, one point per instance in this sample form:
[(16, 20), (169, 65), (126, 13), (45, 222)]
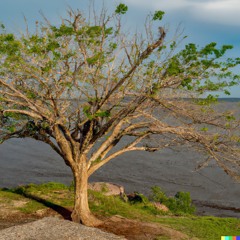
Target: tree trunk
[(81, 212)]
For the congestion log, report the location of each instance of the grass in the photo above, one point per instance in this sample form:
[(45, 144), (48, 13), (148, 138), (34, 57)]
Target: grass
[(203, 228), (109, 206), (162, 238), (57, 193), (31, 207), (9, 196), (209, 228)]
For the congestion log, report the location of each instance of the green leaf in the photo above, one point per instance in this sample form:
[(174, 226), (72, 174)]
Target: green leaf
[(9, 38), (98, 160), (227, 92), (174, 67), (94, 31), (186, 81), (52, 45), (45, 125), (208, 100), (102, 114), (12, 129), (2, 26), (86, 111), (230, 118), (121, 9), (158, 15), (113, 46), (95, 59), (109, 31), (31, 95), (11, 115), (204, 129), (63, 30)]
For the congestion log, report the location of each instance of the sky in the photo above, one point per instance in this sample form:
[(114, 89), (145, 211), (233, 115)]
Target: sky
[(204, 21)]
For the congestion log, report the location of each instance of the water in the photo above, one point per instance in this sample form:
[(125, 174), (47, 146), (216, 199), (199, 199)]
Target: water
[(24, 161)]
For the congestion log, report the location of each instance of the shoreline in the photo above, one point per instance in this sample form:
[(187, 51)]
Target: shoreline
[(204, 208)]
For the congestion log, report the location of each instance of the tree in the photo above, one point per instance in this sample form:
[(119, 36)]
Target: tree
[(84, 85)]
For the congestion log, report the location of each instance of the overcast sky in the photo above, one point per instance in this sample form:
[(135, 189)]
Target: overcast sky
[(204, 21)]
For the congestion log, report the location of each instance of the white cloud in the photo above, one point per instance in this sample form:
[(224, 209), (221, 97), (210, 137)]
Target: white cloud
[(222, 11), (225, 12)]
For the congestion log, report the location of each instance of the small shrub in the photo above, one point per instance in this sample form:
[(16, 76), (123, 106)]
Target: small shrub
[(158, 195), (184, 203), (181, 203)]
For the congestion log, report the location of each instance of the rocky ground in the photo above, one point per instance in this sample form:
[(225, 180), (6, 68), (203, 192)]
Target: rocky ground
[(53, 228)]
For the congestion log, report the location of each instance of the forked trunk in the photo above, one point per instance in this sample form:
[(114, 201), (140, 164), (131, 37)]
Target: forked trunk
[(81, 212)]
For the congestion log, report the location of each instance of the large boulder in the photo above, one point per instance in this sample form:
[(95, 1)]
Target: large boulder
[(107, 189), (52, 228)]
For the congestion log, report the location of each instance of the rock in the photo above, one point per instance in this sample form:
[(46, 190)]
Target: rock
[(107, 189), (41, 212), (160, 206), (52, 228)]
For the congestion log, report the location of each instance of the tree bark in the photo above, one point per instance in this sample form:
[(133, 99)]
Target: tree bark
[(81, 212)]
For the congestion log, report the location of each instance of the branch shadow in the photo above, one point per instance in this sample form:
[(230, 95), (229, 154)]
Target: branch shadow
[(64, 212)]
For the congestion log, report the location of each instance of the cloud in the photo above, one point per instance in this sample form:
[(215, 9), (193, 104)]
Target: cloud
[(224, 12)]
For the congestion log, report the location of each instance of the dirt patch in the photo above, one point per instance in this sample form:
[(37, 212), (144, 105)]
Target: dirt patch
[(9, 208), (11, 217), (136, 230)]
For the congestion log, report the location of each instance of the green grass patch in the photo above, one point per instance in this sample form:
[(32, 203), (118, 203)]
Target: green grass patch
[(55, 193), (45, 188), (162, 238), (6, 194), (110, 205), (9, 198), (206, 228), (31, 207)]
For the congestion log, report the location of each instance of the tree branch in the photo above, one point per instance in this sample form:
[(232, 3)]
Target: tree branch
[(147, 52), (24, 112)]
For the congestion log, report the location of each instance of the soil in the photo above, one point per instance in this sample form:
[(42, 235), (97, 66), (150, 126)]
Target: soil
[(130, 229), (136, 230)]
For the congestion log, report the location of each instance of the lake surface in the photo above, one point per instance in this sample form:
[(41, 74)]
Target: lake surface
[(24, 161)]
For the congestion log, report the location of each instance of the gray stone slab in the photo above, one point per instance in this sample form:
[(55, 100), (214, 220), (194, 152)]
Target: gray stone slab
[(52, 228)]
